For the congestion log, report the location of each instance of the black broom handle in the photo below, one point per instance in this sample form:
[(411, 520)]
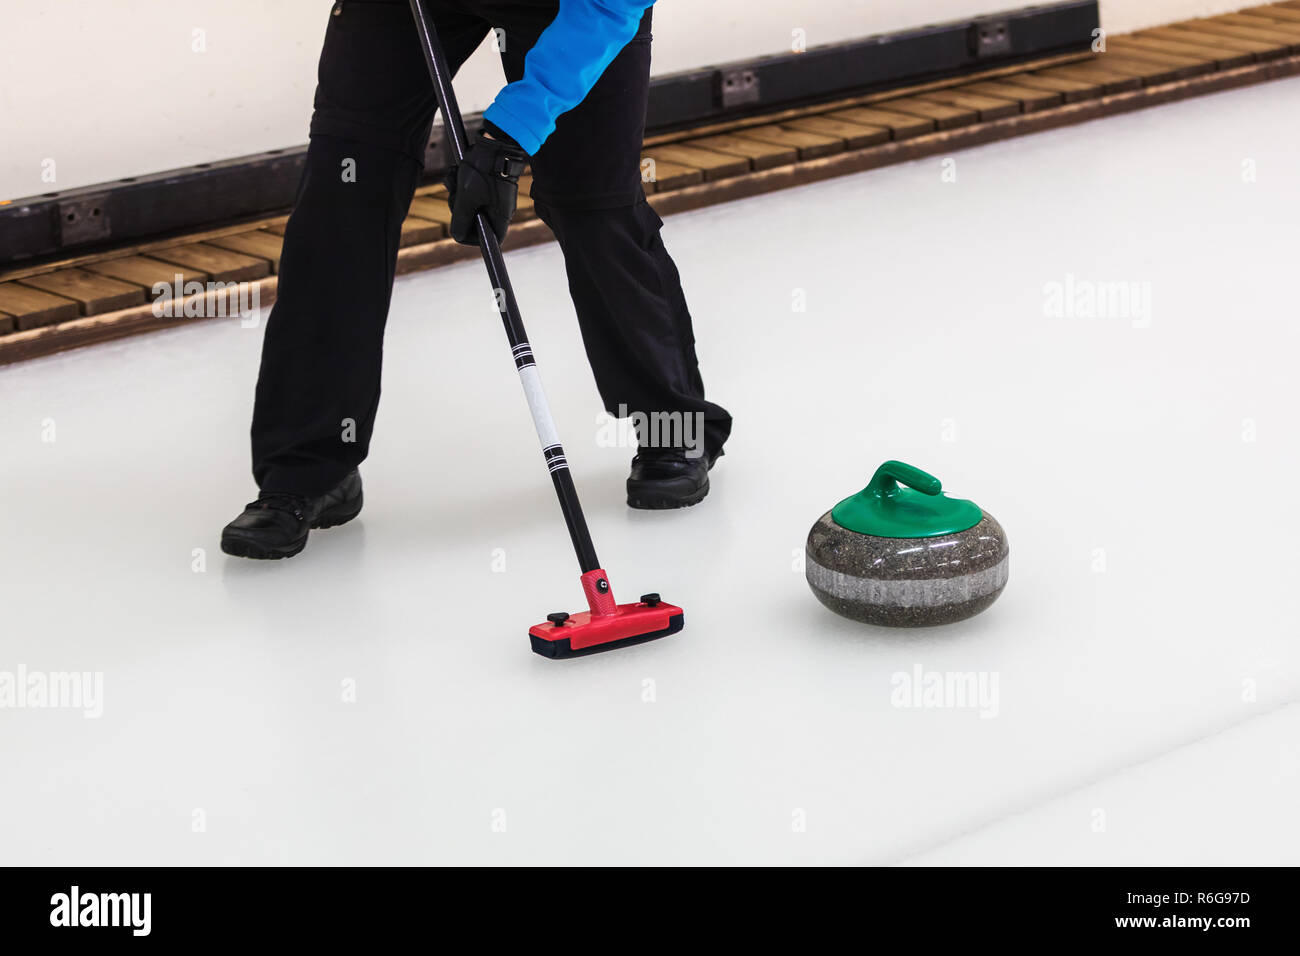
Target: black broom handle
[(552, 451)]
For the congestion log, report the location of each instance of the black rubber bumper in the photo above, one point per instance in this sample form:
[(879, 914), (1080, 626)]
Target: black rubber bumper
[(560, 649)]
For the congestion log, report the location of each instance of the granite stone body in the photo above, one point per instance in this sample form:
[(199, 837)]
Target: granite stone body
[(907, 582)]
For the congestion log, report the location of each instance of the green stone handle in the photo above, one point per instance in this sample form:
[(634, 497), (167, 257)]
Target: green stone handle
[(893, 473), (905, 502)]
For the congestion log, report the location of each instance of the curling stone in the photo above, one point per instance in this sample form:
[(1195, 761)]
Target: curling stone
[(903, 554)]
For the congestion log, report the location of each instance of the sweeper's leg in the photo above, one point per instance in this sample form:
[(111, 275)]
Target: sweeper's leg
[(322, 352), (625, 287), (318, 388), (634, 320)]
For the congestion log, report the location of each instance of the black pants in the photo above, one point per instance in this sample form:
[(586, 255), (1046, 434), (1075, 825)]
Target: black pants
[(323, 347)]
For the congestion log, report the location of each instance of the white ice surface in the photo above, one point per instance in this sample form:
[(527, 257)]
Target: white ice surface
[(924, 339), (1218, 801)]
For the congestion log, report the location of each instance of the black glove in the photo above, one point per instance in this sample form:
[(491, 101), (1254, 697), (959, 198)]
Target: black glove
[(488, 180)]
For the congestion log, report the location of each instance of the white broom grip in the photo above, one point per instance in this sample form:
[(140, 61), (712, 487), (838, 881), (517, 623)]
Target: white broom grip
[(531, 379)]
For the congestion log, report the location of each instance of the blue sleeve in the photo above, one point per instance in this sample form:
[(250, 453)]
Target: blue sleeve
[(563, 66)]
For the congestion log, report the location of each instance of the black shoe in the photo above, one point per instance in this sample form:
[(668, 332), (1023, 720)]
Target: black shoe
[(276, 525), (666, 478)]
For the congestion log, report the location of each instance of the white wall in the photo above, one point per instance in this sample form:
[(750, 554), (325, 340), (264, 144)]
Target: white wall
[(113, 88)]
